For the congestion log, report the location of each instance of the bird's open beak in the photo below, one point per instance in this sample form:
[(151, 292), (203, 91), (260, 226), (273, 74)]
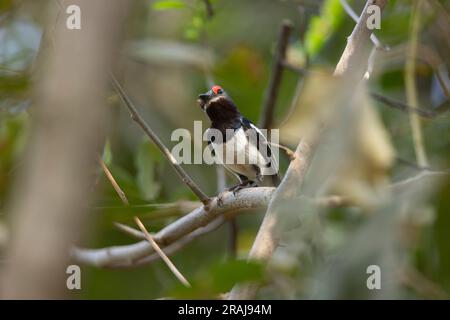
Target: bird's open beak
[(203, 99)]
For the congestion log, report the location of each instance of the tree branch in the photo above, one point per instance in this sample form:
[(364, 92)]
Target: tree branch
[(161, 253), (266, 240), (349, 10), (403, 106), (250, 198), (113, 182), (355, 52), (271, 93), (154, 137), (410, 86), (209, 9)]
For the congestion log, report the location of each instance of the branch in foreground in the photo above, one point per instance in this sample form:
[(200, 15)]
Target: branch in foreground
[(176, 246), (161, 253), (70, 116), (355, 52), (251, 198), (351, 65), (266, 241), (113, 182), (271, 93), (354, 16), (152, 135)]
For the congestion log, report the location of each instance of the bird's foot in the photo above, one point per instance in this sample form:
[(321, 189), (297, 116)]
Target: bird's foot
[(243, 185), (220, 199)]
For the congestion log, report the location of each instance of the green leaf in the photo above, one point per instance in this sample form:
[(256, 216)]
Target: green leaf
[(107, 153), (148, 160), (168, 5), (321, 27)]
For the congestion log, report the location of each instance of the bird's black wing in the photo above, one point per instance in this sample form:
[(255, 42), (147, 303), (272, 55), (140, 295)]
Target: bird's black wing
[(260, 143)]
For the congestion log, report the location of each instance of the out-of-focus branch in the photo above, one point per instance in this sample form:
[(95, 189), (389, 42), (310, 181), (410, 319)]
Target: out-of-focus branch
[(349, 10), (161, 253), (51, 199), (425, 174), (410, 85), (271, 93), (113, 182), (176, 246), (351, 66), (154, 137), (355, 54), (266, 241), (209, 8), (403, 106), (415, 280)]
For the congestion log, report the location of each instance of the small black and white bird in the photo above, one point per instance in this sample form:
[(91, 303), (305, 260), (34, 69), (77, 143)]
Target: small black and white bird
[(231, 132)]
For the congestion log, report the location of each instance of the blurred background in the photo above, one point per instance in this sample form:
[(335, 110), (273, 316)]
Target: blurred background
[(173, 51)]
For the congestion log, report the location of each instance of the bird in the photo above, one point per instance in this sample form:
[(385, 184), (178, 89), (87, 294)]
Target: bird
[(231, 132)]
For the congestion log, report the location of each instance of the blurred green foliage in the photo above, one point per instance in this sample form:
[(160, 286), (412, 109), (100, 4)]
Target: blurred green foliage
[(241, 37)]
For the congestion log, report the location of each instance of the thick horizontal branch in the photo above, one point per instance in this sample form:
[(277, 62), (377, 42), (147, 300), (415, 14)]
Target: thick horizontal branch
[(250, 198)]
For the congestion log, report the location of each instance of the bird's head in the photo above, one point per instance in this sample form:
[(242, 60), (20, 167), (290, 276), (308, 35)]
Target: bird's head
[(214, 95)]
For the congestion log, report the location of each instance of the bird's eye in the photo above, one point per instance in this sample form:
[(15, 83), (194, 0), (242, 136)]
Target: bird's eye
[(217, 90)]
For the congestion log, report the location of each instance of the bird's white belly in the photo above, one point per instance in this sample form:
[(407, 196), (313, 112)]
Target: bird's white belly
[(239, 156)]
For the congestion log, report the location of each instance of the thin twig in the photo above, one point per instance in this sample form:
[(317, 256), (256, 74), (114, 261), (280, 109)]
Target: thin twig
[(411, 88), (113, 182), (420, 176), (152, 135), (130, 231), (289, 152), (161, 253), (271, 93), (412, 278), (390, 102), (209, 8)]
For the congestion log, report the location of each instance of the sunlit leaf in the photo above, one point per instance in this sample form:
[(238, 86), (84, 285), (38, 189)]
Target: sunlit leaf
[(321, 27), (107, 153), (168, 5)]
